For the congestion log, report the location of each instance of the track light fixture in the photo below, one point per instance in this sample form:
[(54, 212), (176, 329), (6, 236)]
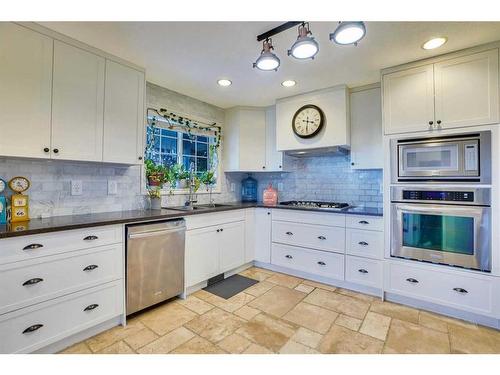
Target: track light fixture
[(350, 32), (267, 60), (305, 47)]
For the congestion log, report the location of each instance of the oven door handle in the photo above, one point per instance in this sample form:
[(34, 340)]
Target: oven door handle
[(467, 211)]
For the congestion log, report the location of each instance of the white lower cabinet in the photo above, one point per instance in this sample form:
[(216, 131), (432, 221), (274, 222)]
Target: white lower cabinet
[(262, 235), (364, 271), (29, 329), (57, 284), (469, 292), (364, 243), (214, 249), (320, 263)]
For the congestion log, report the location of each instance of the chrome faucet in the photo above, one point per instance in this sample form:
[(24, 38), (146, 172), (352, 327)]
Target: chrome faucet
[(192, 184)]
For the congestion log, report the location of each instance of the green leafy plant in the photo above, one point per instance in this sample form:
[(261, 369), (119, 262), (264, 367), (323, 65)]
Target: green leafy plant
[(208, 178), (155, 173)]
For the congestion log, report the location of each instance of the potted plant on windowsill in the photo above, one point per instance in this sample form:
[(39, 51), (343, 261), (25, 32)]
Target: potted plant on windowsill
[(156, 176), (181, 176), (208, 179)]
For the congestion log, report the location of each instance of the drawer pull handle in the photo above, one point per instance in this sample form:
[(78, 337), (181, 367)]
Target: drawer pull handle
[(91, 267), (91, 307), (322, 237), (91, 238), (288, 256), (364, 222), (460, 290), (362, 270), (322, 263), (289, 233), (34, 281), (363, 243), (33, 246), (33, 328), (412, 280)]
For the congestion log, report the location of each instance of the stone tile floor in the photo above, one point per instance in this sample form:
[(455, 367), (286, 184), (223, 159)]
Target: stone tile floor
[(289, 315)]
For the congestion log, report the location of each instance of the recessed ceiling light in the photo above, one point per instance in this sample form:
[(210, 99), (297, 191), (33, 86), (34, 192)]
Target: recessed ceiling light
[(305, 47), (224, 82), (288, 83), (267, 59), (350, 32), (434, 43)]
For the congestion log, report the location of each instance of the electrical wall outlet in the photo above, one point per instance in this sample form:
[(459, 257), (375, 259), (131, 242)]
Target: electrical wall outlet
[(112, 187), (280, 186), (76, 187), (233, 187)]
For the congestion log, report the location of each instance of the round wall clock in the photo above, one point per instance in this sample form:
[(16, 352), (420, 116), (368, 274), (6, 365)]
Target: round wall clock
[(19, 184), (308, 121)]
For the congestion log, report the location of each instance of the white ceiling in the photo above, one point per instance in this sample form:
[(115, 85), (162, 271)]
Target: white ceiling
[(189, 57)]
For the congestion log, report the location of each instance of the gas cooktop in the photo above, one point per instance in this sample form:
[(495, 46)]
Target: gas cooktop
[(317, 205)]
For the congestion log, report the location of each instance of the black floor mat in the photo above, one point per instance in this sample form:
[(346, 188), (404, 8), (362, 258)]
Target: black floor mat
[(230, 286)]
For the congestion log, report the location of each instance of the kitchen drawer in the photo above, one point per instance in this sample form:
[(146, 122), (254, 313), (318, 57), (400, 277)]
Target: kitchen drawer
[(59, 318), (365, 222), (320, 218), (466, 292), (311, 236), (315, 262), (57, 275), (214, 218), (365, 243), (40, 245), (363, 271)]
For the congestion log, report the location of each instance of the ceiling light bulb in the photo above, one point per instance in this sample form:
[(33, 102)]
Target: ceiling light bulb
[(350, 32), (434, 43), (224, 82), (305, 47), (288, 83), (267, 59)]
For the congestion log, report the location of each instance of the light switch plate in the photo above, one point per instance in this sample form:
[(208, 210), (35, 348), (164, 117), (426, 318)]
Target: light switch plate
[(76, 187), (280, 186), (112, 187)]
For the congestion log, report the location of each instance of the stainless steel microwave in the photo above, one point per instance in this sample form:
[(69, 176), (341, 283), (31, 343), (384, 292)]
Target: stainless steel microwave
[(463, 158)]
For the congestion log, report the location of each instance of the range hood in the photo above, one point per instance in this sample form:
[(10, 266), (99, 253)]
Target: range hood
[(325, 151)]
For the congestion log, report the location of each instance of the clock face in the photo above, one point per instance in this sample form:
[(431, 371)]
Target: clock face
[(308, 121), (19, 184), (2, 185)]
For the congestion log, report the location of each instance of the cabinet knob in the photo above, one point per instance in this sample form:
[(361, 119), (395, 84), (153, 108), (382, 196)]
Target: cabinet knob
[(352, 163), (288, 256), (33, 328), (362, 270), (91, 267), (56, 151), (363, 243), (412, 280), (269, 213), (460, 290), (33, 246), (322, 238), (140, 158), (289, 233), (218, 230), (91, 238), (221, 229), (364, 222), (34, 281), (321, 263), (279, 167), (431, 122), (91, 307), (438, 122), (263, 167), (46, 149)]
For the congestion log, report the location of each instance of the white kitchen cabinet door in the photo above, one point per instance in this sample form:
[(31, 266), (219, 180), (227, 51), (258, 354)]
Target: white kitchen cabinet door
[(25, 92), (274, 159), (124, 119), (77, 104), (263, 235), (232, 245), (467, 90), (408, 100), (252, 155), (366, 129), (202, 255)]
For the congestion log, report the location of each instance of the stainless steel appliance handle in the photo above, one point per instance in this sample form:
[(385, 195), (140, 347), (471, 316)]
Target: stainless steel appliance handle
[(153, 233), (440, 209)]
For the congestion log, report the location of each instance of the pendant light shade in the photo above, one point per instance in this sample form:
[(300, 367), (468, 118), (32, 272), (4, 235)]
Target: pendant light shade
[(350, 32), (305, 47), (267, 59)]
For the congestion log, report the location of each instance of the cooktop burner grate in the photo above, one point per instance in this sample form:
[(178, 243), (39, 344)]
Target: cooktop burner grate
[(316, 204)]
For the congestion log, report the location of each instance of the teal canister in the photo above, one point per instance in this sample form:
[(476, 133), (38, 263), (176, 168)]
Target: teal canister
[(249, 189)]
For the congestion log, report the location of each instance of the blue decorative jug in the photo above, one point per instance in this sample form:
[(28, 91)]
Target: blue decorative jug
[(249, 189)]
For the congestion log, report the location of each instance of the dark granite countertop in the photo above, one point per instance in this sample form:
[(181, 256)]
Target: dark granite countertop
[(59, 223)]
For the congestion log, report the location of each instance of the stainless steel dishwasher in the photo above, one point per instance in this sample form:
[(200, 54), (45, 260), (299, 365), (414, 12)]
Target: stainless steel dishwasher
[(155, 263)]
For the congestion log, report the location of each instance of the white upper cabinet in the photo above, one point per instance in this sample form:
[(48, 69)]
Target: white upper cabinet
[(249, 140), (334, 103), (366, 128), (466, 90), (25, 92), (409, 100), (451, 92), (124, 118), (77, 104)]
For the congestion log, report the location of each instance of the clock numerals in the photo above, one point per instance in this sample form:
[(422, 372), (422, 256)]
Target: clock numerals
[(308, 121)]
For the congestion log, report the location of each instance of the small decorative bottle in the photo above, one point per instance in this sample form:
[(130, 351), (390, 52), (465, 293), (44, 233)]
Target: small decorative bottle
[(249, 189), (270, 196)]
